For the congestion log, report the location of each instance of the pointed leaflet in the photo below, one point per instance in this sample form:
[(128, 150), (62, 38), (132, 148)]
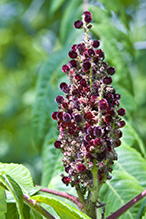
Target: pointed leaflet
[(3, 205), (15, 189), (21, 175), (117, 192), (64, 210)]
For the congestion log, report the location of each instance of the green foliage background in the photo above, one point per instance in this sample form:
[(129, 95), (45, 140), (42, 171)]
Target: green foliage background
[(35, 37)]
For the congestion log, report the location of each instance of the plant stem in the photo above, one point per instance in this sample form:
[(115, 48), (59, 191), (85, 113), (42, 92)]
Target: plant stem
[(65, 195), (90, 206), (80, 195), (33, 204), (95, 183), (123, 209), (90, 209), (90, 203)]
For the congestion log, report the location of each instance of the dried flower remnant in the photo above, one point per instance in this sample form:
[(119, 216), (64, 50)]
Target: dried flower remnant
[(89, 117)]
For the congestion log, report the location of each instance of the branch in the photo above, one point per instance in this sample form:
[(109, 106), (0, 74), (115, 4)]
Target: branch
[(65, 195), (123, 209), (33, 204)]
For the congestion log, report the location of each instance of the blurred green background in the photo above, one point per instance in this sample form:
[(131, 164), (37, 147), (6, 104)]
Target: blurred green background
[(31, 31)]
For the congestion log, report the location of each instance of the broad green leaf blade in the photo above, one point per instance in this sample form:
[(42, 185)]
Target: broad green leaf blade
[(64, 210), (15, 189), (21, 175), (12, 212), (3, 205), (131, 161), (117, 192)]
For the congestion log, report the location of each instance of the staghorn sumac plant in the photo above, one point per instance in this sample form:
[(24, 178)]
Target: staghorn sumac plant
[(89, 120)]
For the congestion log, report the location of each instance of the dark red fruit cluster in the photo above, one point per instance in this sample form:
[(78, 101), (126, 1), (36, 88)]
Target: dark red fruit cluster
[(89, 118)]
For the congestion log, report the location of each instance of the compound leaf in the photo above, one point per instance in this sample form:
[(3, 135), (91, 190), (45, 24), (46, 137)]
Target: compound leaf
[(64, 210)]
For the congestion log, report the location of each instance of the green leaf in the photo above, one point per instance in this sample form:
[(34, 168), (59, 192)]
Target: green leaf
[(35, 215), (28, 212), (117, 192), (64, 210), (46, 85), (3, 205), (21, 175), (15, 189), (131, 161), (13, 214)]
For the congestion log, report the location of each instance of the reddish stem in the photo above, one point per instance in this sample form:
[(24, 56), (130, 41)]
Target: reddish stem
[(123, 209), (65, 195)]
